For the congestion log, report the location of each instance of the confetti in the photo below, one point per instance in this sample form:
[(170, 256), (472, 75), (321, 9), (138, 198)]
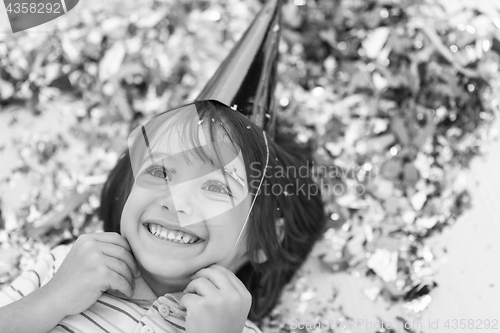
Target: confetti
[(395, 104)]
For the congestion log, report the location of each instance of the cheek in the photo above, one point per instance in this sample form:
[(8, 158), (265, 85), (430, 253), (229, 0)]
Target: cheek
[(135, 203), (233, 219), (131, 213)]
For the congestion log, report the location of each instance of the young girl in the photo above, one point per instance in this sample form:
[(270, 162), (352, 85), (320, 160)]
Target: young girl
[(221, 199)]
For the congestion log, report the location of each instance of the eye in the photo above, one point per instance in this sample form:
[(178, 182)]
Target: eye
[(159, 172), (217, 187)]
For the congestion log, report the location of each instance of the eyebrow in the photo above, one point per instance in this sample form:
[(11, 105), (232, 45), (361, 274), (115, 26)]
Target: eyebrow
[(155, 157)]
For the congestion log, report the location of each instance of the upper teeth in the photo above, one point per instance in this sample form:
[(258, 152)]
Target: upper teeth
[(172, 235)]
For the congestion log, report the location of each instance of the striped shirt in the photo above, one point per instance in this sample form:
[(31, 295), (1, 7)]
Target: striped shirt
[(110, 314)]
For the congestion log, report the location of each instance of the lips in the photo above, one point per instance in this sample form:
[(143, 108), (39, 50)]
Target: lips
[(172, 235), (168, 232)]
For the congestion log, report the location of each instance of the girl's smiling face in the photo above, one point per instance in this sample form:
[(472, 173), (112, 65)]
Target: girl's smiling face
[(185, 213)]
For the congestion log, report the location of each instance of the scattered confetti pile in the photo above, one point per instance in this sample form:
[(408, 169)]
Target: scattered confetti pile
[(394, 97)]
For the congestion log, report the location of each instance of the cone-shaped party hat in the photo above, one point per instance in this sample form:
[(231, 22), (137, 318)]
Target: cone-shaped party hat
[(247, 77)]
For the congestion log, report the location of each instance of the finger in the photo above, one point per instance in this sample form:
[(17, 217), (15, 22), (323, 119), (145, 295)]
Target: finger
[(118, 252), (236, 282), (113, 238), (119, 267), (201, 286), (118, 282), (188, 299), (220, 278)]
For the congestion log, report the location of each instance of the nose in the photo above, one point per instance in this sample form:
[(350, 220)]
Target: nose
[(177, 200)]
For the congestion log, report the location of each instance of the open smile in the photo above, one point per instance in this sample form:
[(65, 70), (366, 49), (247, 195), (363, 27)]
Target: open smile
[(174, 236)]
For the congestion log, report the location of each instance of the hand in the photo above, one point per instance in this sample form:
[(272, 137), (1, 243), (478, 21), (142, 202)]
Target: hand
[(216, 301), (96, 263)]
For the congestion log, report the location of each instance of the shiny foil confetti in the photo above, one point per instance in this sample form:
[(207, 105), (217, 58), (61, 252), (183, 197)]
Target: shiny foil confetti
[(394, 104)]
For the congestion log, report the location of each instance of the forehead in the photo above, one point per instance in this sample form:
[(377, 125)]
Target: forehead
[(181, 133), (174, 132)]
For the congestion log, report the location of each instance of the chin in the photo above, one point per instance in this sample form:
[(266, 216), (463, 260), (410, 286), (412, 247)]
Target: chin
[(169, 269)]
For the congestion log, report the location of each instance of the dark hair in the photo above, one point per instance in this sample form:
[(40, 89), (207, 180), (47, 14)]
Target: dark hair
[(302, 212), (115, 192)]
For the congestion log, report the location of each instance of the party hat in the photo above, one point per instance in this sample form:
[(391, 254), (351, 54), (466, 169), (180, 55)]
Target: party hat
[(246, 79)]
